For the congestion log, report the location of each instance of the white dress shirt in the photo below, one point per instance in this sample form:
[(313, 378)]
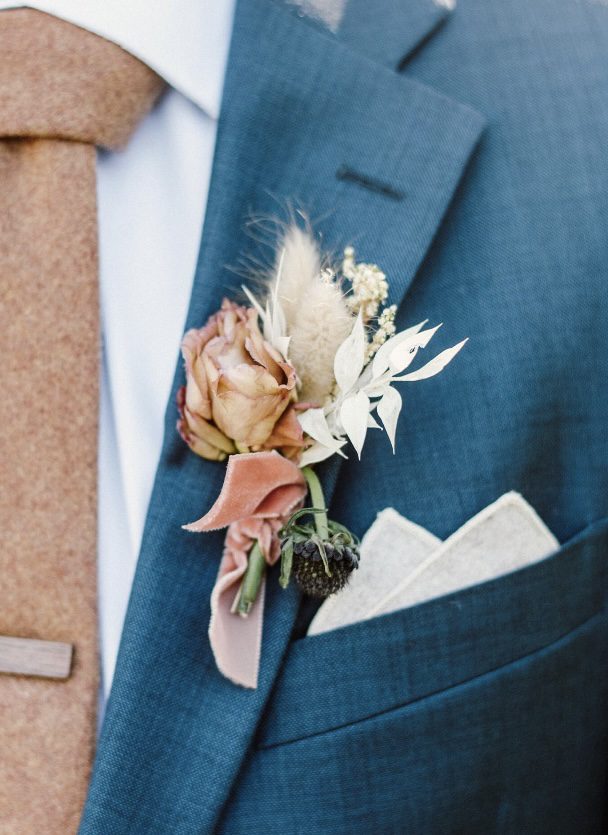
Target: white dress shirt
[(151, 203)]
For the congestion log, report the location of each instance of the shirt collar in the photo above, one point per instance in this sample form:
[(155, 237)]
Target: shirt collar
[(184, 41)]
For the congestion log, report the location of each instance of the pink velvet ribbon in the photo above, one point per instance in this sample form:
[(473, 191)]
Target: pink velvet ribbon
[(260, 492)]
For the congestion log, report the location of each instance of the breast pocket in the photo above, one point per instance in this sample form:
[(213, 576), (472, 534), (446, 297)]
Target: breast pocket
[(340, 677)]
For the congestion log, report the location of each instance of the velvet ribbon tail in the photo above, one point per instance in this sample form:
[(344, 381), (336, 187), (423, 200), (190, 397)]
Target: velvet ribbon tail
[(260, 491)]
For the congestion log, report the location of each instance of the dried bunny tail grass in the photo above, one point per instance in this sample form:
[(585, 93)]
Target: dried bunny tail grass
[(300, 261), (317, 317), (257, 266), (322, 325)]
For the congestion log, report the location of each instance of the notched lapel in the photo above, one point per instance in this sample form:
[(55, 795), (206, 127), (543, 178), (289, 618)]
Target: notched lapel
[(412, 22), (374, 158)]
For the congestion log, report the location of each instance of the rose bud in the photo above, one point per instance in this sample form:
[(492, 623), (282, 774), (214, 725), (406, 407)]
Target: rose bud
[(238, 387)]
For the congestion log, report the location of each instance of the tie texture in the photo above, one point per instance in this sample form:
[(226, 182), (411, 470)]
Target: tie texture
[(63, 91)]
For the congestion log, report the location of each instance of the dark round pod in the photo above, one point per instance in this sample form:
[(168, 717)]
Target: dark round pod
[(309, 569)]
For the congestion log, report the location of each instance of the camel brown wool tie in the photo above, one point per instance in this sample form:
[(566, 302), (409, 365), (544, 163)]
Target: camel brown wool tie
[(62, 92)]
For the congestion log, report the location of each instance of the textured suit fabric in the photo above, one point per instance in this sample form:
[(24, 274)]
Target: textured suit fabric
[(469, 165), (67, 89)]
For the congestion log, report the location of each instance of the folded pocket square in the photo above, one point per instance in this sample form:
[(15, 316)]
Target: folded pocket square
[(403, 564)]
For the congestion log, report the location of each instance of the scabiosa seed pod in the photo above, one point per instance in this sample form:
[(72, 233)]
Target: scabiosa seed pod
[(320, 574), (321, 554)]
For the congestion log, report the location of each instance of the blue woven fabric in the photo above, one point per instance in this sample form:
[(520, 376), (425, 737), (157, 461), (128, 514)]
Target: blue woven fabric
[(465, 154)]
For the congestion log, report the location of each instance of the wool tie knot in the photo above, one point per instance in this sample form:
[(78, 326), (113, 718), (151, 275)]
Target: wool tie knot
[(58, 81)]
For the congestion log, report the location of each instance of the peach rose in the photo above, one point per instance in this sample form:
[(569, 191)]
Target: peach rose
[(239, 391)]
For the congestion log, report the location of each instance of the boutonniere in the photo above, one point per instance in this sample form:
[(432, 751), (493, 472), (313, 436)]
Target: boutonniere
[(274, 387)]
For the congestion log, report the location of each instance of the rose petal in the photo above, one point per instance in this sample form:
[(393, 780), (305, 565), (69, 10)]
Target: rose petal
[(248, 420)]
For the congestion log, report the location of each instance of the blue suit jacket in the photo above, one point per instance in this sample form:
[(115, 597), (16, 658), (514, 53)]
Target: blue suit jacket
[(467, 154)]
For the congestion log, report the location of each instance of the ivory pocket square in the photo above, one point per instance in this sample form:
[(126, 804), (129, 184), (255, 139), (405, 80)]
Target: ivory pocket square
[(403, 564), (393, 548)]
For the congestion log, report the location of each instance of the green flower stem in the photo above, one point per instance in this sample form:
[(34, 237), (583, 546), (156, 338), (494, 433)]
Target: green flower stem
[(318, 501), (252, 579)]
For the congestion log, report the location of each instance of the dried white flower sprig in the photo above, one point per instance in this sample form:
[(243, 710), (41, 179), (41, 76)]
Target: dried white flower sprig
[(331, 324), (364, 388)]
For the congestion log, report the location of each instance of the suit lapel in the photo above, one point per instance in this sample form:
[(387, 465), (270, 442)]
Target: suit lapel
[(376, 158), (364, 28)]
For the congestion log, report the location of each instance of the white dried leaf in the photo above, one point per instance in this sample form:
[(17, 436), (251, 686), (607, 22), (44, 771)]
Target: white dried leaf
[(268, 323), (377, 389), (404, 353), (389, 409), (282, 345), (433, 367), (380, 363), (278, 324), (314, 423), (317, 453), (350, 357), (353, 416), (254, 302)]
